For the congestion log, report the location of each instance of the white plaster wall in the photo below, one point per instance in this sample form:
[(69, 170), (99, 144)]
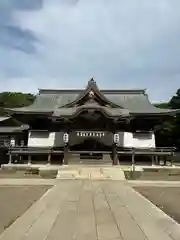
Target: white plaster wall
[(138, 140), (126, 139), (41, 139), (144, 140)]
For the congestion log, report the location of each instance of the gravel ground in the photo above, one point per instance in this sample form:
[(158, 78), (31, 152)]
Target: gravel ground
[(14, 201), (154, 175), (16, 174), (166, 198), (19, 174)]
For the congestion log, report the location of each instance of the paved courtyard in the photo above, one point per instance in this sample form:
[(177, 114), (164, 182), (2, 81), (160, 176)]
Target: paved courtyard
[(92, 210)]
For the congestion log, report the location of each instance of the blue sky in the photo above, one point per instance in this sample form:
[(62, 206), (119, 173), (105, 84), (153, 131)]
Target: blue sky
[(63, 43)]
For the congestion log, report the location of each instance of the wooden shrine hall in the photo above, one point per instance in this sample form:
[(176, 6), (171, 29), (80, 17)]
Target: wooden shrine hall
[(88, 122)]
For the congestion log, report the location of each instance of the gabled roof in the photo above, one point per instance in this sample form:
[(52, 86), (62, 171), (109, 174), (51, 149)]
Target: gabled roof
[(13, 126), (90, 92), (9, 121), (4, 118), (74, 111), (111, 102), (12, 129)]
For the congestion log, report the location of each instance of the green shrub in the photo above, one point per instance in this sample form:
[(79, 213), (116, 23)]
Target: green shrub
[(7, 170), (174, 172), (130, 175), (151, 170), (48, 173), (32, 171)]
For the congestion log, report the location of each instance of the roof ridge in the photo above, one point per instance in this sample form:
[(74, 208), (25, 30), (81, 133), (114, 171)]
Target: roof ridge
[(105, 91)]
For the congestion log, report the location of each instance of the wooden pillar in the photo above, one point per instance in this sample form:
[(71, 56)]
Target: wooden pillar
[(119, 159), (152, 158), (49, 158), (29, 159), (66, 154), (156, 160), (133, 161), (10, 155), (10, 158), (165, 160), (172, 158), (21, 149), (114, 155)]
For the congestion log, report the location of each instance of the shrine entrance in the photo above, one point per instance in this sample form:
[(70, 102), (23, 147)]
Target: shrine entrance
[(90, 147), (91, 141)]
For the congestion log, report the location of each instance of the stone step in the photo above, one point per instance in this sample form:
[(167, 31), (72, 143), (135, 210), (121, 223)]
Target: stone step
[(91, 172), (89, 162), (106, 160)]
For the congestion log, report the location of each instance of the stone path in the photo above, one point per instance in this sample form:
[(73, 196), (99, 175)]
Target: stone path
[(93, 173), (93, 210)]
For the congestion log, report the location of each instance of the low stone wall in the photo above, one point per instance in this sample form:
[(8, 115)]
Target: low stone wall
[(159, 173)]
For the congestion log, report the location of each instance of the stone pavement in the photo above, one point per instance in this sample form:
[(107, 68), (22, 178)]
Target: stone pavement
[(92, 210)]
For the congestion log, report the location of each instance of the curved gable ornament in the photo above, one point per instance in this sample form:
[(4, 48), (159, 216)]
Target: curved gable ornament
[(91, 94), (91, 82), (92, 91)]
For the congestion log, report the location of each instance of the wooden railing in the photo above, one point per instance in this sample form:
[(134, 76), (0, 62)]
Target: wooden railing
[(156, 153), (125, 151), (33, 150), (148, 151)]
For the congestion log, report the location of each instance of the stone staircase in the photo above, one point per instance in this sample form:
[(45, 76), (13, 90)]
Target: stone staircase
[(91, 173)]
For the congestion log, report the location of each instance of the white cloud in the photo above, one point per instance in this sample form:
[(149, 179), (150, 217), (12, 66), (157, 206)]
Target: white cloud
[(122, 43)]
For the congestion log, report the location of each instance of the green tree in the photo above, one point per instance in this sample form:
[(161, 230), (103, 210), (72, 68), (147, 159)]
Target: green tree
[(168, 133), (175, 104), (175, 101), (162, 105), (14, 100)]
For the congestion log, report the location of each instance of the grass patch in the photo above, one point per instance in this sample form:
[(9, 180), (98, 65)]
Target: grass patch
[(27, 172)]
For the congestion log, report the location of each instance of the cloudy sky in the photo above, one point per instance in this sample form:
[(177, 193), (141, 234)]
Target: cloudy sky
[(63, 43)]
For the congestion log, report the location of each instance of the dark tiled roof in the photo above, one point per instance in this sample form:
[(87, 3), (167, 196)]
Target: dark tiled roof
[(63, 102), (13, 129), (2, 119), (134, 102), (112, 112)]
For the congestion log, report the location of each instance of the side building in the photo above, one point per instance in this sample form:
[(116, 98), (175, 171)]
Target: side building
[(89, 121)]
